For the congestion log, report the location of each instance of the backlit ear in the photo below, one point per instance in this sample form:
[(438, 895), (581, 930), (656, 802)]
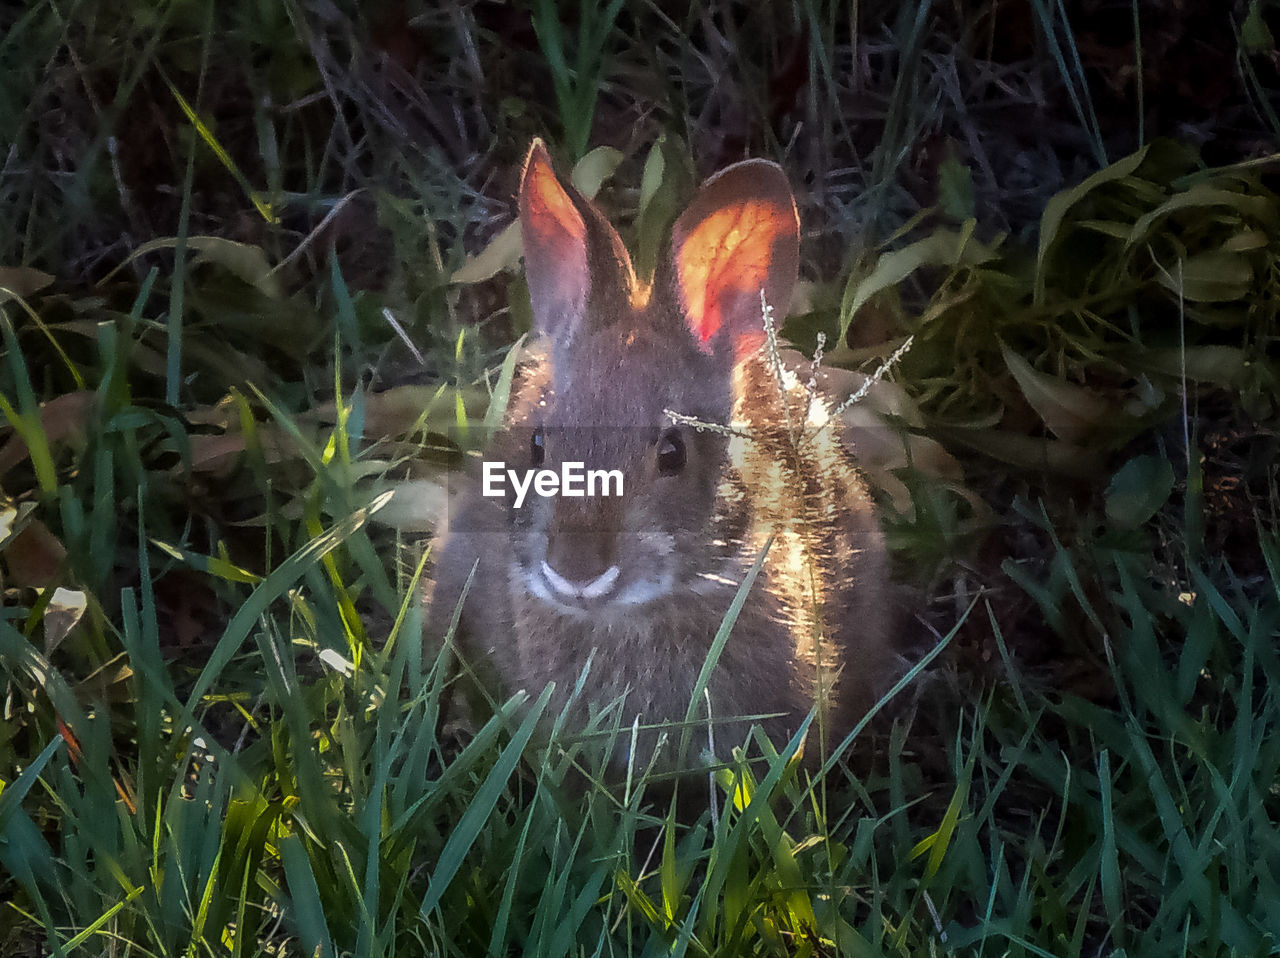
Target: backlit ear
[(741, 234), (555, 247)]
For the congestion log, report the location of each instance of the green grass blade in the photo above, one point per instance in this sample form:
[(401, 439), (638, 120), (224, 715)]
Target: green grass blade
[(465, 832)]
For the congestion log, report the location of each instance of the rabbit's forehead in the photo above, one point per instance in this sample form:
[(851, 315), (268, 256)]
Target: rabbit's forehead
[(631, 375)]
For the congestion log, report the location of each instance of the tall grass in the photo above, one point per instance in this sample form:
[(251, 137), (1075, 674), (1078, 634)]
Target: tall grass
[(287, 796)]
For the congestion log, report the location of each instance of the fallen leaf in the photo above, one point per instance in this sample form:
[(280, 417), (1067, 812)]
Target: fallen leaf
[(62, 418), (34, 557), (66, 608), (21, 282), (419, 505)]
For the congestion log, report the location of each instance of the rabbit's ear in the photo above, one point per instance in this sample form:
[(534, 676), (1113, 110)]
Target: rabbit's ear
[(576, 264), (555, 247), (740, 235)]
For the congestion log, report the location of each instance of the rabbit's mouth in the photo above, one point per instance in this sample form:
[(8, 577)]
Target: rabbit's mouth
[(609, 589)]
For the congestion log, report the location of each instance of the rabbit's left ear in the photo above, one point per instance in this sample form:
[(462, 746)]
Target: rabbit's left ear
[(555, 247), (577, 267), (740, 235)]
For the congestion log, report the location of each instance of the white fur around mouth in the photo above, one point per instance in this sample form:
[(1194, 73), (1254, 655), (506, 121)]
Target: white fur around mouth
[(594, 589), (555, 590)]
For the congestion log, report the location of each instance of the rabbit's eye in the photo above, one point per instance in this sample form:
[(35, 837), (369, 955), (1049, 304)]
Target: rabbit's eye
[(671, 454), (537, 447)]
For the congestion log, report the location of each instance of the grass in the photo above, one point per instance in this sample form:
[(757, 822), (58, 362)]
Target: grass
[(222, 733), (341, 820)]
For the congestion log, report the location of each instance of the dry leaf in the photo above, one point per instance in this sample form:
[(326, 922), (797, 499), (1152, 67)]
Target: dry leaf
[(22, 282), (33, 557), (419, 505), (65, 609), (62, 418)]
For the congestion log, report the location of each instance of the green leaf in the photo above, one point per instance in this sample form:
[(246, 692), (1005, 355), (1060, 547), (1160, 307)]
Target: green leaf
[(590, 172), (1072, 412), (666, 183), (1225, 366), (640, 901), (671, 885), (1137, 491), (1110, 858), (1255, 35), (1027, 452), (937, 843), (1055, 211), (308, 907), (269, 590), (497, 410), (1203, 196), (942, 247), (1216, 276), (245, 261), (15, 791), (501, 254), (264, 206), (955, 188)]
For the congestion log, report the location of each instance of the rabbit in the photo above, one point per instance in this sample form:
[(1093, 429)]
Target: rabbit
[(640, 582)]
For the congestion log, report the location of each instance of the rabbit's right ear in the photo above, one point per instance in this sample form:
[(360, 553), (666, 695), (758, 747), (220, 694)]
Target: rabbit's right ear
[(555, 248), (739, 239)]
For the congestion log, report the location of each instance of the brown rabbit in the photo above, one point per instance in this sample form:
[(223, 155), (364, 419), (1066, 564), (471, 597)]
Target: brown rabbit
[(646, 578)]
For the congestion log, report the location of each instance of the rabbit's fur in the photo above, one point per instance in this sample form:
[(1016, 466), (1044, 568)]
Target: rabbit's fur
[(646, 579)]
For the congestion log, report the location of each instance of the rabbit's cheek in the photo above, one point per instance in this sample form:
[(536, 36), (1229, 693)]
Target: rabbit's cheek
[(648, 559)]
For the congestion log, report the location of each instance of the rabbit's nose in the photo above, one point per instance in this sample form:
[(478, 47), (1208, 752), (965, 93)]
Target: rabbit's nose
[(580, 562), (581, 557)]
